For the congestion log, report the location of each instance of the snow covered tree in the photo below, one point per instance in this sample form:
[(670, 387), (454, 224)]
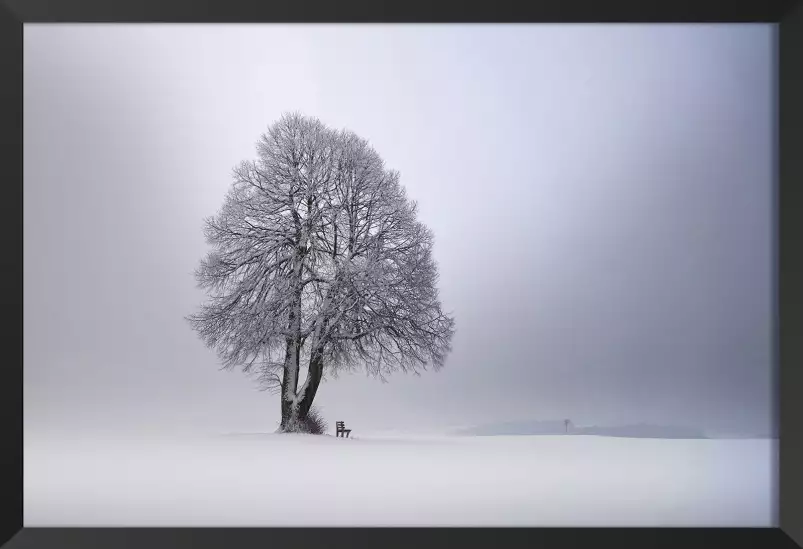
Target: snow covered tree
[(318, 259)]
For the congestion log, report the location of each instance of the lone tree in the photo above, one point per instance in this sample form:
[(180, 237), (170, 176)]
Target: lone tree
[(317, 258)]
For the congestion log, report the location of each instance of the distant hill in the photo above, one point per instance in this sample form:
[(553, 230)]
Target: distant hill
[(516, 428), (642, 430), (557, 427)]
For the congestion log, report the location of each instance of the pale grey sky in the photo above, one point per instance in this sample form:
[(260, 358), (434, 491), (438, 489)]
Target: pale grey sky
[(601, 198)]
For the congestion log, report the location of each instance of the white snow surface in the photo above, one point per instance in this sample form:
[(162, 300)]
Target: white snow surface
[(399, 480)]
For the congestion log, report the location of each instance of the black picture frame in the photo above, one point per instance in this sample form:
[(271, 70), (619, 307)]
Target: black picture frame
[(789, 267)]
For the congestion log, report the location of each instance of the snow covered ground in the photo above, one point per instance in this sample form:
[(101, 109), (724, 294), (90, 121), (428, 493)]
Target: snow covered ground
[(298, 480)]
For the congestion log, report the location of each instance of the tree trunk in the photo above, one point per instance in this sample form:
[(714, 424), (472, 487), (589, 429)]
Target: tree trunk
[(292, 359), (315, 371), (289, 383), (314, 376)]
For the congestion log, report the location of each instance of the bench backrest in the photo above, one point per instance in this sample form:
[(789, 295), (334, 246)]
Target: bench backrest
[(341, 424)]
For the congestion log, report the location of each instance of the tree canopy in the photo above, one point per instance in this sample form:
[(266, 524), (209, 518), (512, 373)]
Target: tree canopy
[(317, 254)]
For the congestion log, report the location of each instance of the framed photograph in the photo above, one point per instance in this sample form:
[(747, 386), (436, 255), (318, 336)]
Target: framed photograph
[(381, 275)]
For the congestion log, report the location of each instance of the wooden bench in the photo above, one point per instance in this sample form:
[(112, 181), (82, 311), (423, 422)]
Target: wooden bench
[(341, 430)]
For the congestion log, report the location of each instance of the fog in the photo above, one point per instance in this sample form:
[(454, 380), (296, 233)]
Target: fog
[(601, 199)]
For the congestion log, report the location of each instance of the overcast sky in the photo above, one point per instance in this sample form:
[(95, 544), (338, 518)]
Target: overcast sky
[(601, 199)]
